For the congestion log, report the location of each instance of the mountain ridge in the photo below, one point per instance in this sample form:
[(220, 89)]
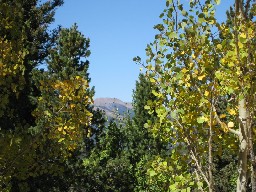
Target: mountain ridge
[(113, 107)]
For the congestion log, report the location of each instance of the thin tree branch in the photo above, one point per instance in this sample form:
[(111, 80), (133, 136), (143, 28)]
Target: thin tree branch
[(222, 123), (199, 167)]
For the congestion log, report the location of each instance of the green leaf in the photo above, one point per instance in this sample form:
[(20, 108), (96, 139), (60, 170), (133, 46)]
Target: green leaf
[(152, 173), (218, 75), (47, 113), (161, 15), (172, 35), (155, 93), (184, 13), (217, 2), (200, 184), (201, 20), (61, 139), (152, 80), (168, 56), (146, 107), (200, 120), (179, 167)]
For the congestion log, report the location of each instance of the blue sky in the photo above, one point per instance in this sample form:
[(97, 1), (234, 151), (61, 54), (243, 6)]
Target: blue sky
[(119, 30)]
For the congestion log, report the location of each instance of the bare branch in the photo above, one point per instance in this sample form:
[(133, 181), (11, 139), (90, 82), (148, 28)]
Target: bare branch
[(199, 167), (221, 123)]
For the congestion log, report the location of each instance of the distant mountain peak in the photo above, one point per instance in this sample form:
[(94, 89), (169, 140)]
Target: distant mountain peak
[(113, 107)]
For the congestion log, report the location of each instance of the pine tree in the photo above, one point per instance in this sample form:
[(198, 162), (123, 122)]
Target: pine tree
[(108, 166), (29, 26), (33, 154), (24, 39), (141, 96), (65, 103), (63, 114)]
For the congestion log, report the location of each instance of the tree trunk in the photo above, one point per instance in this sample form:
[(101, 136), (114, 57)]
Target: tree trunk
[(243, 147), (252, 158), (253, 171), (210, 153)]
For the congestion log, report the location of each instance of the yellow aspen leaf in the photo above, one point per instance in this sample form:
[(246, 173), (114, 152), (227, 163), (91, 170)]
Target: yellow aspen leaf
[(201, 77), (222, 116), (230, 125), (222, 60), (213, 123), (152, 80), (188, 85), (224, 127), (231, 111), (184, 70), (231, 64), (238, 72), (219, 46), (60, 129), (15, 66), (251, 33), (206, 119), (240, 45), (243, 35), (206, 93), (191, 65), (72, 106)]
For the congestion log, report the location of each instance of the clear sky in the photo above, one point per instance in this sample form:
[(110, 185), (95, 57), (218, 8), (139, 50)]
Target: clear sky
[(119, 30)]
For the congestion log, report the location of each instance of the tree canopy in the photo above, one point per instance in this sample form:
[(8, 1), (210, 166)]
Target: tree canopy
[(193, 127), (196, 62)]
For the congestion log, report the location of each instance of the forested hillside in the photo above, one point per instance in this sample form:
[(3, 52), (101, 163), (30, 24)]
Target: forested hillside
[(192, 119)]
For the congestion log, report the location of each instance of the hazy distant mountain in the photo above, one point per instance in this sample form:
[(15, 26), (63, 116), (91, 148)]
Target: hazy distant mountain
[(113, 107)]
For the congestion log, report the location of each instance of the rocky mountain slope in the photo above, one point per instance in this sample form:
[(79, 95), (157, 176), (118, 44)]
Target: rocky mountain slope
[(113, 107)]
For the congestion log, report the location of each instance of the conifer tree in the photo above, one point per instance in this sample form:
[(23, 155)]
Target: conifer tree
[(24, 39), (32, 151), (28, 26), (141, 96)]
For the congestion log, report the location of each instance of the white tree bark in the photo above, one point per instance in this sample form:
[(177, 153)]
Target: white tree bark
[(243, 147)]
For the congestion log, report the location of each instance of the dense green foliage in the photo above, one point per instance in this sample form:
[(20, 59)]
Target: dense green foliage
[(46, 115), (117, 162), (194, 108)]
